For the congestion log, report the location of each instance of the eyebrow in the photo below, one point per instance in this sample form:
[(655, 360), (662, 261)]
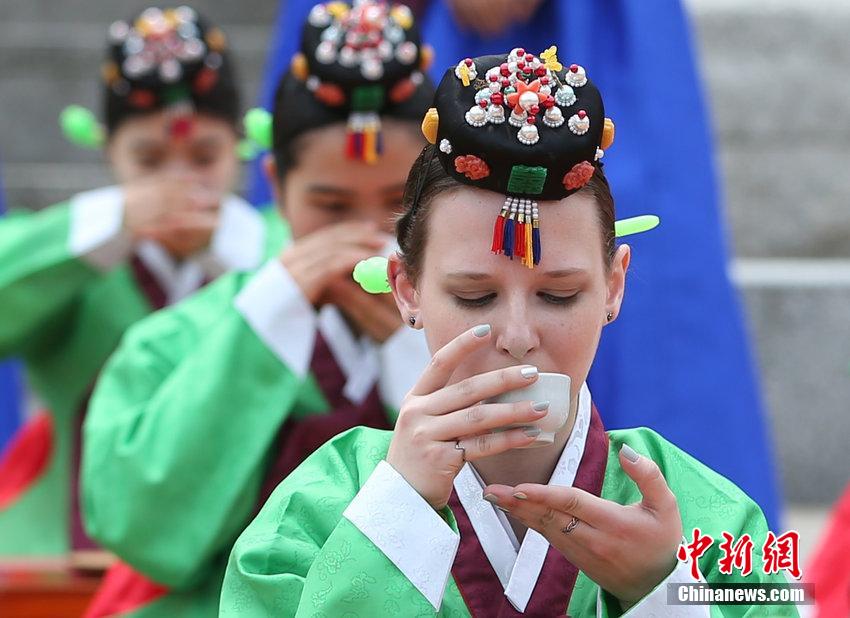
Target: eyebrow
[(553, 274)]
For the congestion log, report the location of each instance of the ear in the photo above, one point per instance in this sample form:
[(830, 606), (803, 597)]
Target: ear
[(617, 280), (404, 292), (270, 172)]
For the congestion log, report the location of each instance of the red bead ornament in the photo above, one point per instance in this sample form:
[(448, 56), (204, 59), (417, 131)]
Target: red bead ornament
[(540, 71), (496, 98), (482, 103), (549, 101), (520, 65), (504, 70), (472, 167), (520, 52), (505, 83), (468, 62), (535, 109), (544, 80), (574, 68), (529, 57), (531, 119), (581, 114), (578, 176), (494, 78), (330, 94)]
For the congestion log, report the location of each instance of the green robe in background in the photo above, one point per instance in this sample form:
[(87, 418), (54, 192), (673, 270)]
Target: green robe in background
[(63, 317), (180, 435)]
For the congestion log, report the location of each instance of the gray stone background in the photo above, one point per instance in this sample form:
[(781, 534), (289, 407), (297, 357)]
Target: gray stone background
[(776, 76)]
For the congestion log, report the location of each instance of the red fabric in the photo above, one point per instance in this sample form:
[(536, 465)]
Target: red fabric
[(829, 569), (25, 458), (123, 590), (477, 581)]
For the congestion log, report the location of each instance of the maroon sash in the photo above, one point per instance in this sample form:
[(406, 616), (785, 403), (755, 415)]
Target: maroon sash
[(298, 438), (477, 581)]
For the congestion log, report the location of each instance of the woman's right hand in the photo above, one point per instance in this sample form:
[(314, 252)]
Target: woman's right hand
[(331, 252), (441, 427)]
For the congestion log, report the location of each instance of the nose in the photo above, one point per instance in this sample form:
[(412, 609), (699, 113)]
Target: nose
[(517, 335)]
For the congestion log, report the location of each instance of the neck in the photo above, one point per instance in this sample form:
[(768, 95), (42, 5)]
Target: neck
[(533, 465)]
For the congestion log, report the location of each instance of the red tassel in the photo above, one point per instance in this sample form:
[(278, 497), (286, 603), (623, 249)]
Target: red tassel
[(519, 239), (498, 231)]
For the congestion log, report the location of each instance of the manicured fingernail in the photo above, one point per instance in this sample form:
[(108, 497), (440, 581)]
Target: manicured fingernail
[(503, 509), (491, 498), (531, 432), (529, 372), (481, 330), (539, 406), (629, 452), (520, 496)]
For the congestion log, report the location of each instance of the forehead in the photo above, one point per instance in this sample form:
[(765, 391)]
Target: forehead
[(320, 155), (154, 128), (460, 230)]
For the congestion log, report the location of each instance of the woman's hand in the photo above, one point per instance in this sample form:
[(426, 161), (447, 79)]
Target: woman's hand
[(330, 253), (627, 550), (174, 210), (374, 314), (440, 427)]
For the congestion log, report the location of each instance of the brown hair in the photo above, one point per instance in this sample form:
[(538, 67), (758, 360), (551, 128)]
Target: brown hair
[(427, 179)]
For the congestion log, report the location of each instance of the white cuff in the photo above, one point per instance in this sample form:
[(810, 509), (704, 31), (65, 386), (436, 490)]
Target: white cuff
[(239, 241), (280, 315), (403, 358), (655, 603), (96, 234), (410, 533)]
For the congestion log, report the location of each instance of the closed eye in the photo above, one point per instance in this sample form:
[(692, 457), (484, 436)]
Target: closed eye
[(479, 301), (554, 299)]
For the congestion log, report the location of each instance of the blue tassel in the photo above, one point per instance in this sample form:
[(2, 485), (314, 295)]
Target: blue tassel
[(535, 242), (509, 238)]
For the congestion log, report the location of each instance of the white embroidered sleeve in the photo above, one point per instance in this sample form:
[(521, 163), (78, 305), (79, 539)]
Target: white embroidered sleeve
[(280, 315), (410, 533), (96, 234)]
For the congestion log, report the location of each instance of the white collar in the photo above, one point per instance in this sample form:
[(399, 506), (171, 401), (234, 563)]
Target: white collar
[(395, 365), (238, 243), (519, 569)]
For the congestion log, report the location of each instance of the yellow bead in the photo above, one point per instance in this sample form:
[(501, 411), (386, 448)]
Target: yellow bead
[(299, 67), (430, 124), (607, 134)]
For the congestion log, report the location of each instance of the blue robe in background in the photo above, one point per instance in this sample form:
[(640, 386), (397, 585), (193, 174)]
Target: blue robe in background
[(677, 359), (11, 387)]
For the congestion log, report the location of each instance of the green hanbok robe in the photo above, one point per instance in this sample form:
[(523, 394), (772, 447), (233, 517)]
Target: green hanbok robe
[(195, 409), (345, 535), (71, 283)]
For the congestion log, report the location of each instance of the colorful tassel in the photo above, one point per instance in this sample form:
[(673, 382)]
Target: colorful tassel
[(535, 233), (528, 258), (509, 236), (364, 141), (499, 229), (519, 235)]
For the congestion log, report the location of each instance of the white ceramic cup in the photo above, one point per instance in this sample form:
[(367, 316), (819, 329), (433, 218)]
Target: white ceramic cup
[(551, 387)]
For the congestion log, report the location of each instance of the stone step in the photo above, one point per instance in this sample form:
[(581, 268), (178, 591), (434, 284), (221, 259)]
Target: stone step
[(95, 12)]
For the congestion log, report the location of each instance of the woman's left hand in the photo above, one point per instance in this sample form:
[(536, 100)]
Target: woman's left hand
[(627, 550)]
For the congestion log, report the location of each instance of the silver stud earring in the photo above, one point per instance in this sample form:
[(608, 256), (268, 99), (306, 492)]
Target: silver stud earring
[(412, 320), (610, 316)]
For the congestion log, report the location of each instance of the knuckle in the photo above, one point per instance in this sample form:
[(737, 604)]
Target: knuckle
[(571, 504), (482, 443), (475, 414), (464, 388), (547, 517), (437, 362)]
